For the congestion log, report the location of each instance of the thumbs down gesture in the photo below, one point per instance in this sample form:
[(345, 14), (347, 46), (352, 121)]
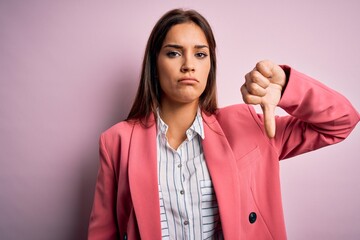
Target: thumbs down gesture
[(264, 85)]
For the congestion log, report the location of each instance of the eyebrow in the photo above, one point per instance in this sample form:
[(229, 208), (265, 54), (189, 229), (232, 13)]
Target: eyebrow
[(181, 47)]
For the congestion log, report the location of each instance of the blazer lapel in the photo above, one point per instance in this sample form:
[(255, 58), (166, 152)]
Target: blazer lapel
[(143, 180), (144, 183), (223, 171)]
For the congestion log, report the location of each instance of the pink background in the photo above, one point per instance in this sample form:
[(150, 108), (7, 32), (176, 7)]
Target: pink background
[(69, 70)]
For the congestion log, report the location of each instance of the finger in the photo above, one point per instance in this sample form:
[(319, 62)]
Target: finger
[(254, 88), (269, 120), (272, 71), (249, 98), (258, 78), (265, 67)]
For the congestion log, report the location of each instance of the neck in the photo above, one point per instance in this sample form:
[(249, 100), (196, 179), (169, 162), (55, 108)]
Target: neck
[(179, 117)]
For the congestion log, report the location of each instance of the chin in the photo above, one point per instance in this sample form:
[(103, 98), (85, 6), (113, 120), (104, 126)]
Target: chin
[(189, 101), (182, 98)]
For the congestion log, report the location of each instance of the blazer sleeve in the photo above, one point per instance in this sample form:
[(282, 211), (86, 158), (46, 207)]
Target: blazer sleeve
[(319, 116), (102, 224)]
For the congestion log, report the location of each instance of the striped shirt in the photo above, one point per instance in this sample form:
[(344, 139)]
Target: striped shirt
[(188, 205)]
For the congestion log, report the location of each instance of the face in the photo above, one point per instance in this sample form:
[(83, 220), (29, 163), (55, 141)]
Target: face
[(183, 64)]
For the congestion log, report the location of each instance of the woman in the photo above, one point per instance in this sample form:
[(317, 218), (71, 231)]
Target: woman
[(180, 167)]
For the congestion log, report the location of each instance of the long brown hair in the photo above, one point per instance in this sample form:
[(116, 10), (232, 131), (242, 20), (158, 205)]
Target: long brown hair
[(148, 95)]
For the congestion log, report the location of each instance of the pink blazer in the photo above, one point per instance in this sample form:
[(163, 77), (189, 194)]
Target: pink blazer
[(243, 163)]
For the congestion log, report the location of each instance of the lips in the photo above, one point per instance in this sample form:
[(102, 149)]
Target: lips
[(188, 80)]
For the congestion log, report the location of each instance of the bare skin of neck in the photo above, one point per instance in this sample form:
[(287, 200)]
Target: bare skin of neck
[(179, 117)]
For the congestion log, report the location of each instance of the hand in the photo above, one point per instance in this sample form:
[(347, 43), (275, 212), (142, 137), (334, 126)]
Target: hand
[(263, 85)]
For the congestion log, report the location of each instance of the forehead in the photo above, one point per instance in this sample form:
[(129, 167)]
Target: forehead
[(186, 34)]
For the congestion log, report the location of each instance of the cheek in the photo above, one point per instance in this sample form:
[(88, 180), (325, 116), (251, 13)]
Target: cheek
[(164, 78), (163, 84), (206, 67), (164, 69), (206, 72)]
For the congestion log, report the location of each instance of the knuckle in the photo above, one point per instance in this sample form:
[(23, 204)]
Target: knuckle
[(242, 89), (262, 65), (253, 88), (254, 75), (248, 77), (257, 90), (247, 98), (266, 82)]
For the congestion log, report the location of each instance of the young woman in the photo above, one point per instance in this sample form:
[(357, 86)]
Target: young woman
[(179, 167)]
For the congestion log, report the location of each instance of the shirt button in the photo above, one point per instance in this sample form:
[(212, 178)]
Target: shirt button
[(186, 222), (180, 165), (182, 192), (252, 217)]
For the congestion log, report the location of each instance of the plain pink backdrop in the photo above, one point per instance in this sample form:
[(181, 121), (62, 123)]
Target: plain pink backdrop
[(69, 70)]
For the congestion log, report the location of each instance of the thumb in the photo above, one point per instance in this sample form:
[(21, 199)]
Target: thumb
[(269, 119)]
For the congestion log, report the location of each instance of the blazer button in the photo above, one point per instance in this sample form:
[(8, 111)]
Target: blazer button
[(252, 217)]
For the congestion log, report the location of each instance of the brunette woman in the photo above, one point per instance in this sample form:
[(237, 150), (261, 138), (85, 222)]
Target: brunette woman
[(179, 167)]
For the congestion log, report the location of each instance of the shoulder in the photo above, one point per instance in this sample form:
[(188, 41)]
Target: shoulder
[(123, 130), (119, 128), (118, 133)]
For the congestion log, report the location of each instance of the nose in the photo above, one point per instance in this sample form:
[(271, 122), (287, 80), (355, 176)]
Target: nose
[(188, 65)]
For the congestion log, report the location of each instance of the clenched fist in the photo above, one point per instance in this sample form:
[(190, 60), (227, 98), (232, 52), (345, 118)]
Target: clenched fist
[(263, 85)]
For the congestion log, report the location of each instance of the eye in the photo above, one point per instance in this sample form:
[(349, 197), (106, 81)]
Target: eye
[(201, 55), (173, 54)]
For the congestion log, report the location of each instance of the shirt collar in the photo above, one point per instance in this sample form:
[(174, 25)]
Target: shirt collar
[(195, 128)]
